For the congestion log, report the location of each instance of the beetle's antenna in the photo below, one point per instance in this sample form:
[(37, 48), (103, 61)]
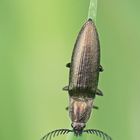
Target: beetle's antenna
[(98, 133), (56, 133)]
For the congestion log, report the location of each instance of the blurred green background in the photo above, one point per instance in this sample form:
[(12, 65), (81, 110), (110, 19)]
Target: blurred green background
[(36, 41)]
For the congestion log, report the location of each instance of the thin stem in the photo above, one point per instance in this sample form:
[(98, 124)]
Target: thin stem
[(92, 12), (72, 137)]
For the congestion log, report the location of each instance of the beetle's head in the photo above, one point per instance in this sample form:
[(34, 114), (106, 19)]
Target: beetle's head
[(78, 128)]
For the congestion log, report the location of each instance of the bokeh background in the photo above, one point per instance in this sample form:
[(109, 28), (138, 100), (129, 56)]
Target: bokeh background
[(36, 41)]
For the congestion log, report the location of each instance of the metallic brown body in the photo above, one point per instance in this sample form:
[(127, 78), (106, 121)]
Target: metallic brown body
[(85, 62), (84, 75)]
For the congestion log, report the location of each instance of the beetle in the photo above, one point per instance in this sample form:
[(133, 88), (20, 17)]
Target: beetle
[(84, 74), (83, 81)]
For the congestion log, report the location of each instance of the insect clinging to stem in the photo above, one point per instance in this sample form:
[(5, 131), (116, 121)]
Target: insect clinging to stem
[(83, 82)]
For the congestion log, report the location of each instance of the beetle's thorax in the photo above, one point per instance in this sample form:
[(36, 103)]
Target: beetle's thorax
[(80, 109)]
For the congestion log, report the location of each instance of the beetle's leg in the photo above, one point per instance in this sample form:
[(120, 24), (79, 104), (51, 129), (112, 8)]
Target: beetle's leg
[(95, 107), (68, 65), (100, 68), (99, 92), (67, 108), (66, 88)]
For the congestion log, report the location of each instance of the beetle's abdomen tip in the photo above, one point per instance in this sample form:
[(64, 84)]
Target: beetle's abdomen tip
[(89, 23), (89, 19)]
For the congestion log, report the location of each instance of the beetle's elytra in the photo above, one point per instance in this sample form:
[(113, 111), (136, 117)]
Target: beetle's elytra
[(83, 82), (85, 63)]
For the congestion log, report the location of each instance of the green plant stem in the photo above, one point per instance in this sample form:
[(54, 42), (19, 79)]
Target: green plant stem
[(92, 12), (72, 137)]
